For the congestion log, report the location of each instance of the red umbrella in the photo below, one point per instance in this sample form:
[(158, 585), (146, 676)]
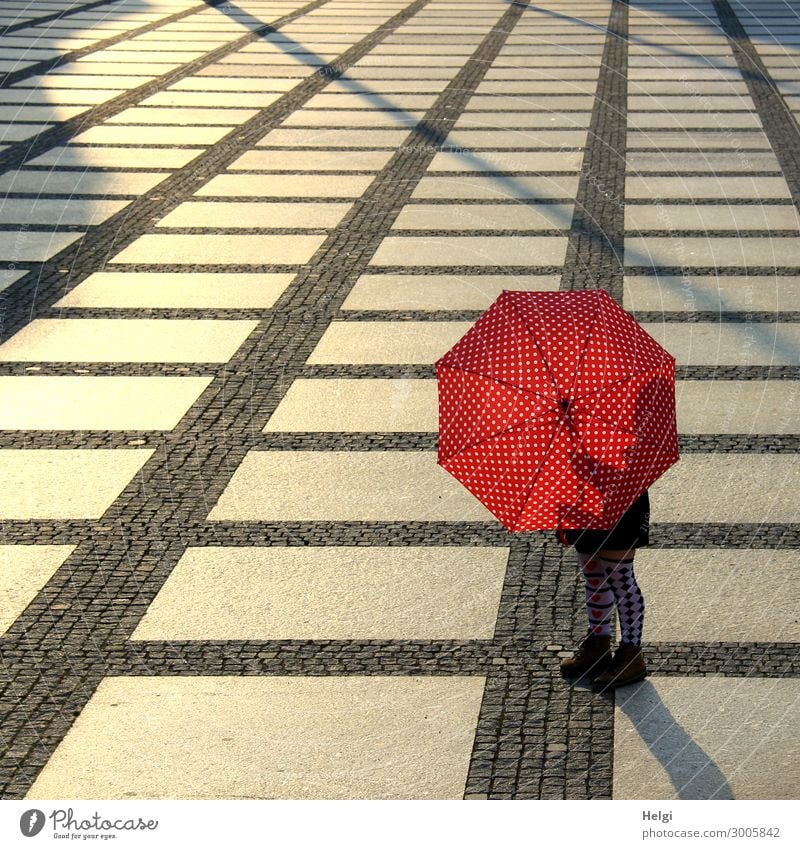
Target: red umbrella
[(556, 410)]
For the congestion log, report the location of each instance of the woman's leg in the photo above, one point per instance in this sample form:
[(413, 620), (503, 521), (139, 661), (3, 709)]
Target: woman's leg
[(594, 654), (618, 568), (628, 664)]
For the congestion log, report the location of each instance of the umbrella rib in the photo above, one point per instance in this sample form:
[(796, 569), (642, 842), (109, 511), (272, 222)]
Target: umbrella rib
[(559, 428), (621, 380), (541, 354), (500, 382), (509, 429), (583, 352)]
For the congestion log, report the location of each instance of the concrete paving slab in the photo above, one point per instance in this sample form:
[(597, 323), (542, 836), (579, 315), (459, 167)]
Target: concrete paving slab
[(734, 736), (381, 486), (26, 569), (286, 186), (501, 160), (116, 157), (287, 737), (319, 593), (18, 132), (728, 488), (729, 343), (725, 293), (549, 119), (142, 135), (178, 116), (699, 188), (700, 72), (35, 482), (58, 211), (532, 87), (101, 65), (325, 137), (684, 86), (684, 120), (342, 405), (471, 250), (689, 101), (96, 403), (480, 187), (254, 214), (664, 139), (78, 81), (168, 290), (355, 118), (530, 138), (312, 160), (33, 245), (694, 252), (719, 595), (545, 102), (207, 84), (439, 291), (420, 216), (711, 217), (386, 341), (293, 72), (84, 97), (361, 84), (688, 162), (519, 73), (103, 340), (213, 249), (8, 277), (398, 72), (106, 184), (339, 100), (40, 114)]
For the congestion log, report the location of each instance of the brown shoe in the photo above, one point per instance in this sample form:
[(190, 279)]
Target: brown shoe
[(628, 666), (593, 656)]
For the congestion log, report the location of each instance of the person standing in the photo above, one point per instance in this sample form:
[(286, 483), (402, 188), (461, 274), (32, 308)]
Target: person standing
[(606, 560)]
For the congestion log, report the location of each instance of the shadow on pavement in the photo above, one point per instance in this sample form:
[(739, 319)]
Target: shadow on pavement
[(692, 771)]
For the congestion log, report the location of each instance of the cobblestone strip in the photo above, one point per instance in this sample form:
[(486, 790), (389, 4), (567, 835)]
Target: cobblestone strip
[(96, 599), (54, 16), (46, 65), (779, 125), (20, 152), (596, 244)]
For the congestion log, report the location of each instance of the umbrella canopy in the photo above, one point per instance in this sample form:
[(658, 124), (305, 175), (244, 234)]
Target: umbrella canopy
[(556, 410)]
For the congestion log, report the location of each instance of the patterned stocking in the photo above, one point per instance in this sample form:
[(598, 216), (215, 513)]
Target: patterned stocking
[(630, 602), (599, 598)]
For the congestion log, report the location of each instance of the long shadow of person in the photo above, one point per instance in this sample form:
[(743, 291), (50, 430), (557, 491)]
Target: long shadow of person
[(691, 770)]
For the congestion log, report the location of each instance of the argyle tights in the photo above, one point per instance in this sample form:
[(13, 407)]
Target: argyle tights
[(610, 582)]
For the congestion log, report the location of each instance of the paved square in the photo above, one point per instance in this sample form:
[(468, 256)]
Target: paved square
[(357, 405), (386, 341), (213, 249), (289, 737), (164, 290), (382, 486), (36, 481), (99, 340), (26, 569), (439, 291), (329, 593), (96, 403), (719, 595)]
